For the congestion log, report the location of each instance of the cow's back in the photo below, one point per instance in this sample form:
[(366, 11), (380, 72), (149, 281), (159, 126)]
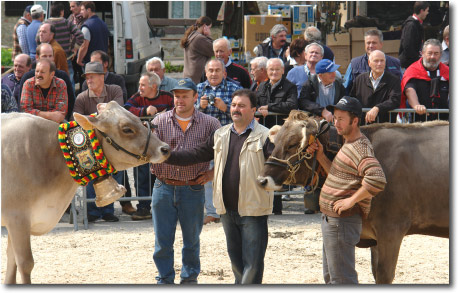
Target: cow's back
[(35, 179), (416, 164)]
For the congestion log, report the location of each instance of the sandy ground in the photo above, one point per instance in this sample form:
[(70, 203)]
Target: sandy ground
[(122, 253)]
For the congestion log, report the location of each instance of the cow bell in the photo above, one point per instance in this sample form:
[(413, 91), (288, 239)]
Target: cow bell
[(107, 191)]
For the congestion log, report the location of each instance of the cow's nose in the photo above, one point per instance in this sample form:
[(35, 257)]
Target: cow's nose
[(262, 181), (165, 150)]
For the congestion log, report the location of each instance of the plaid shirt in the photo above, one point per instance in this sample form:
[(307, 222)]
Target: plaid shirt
[(223, 91), (199, 129), (20, 44), (32, 100)]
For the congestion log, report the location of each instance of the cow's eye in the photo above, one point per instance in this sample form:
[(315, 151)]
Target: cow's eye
[(127, 130)]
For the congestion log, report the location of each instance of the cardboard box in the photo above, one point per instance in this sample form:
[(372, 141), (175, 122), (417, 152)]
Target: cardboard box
[(280, 9), (340, 46), (299, 27), (303, 13), (256, 28), (390, 47), (288, 25), (235, 43)]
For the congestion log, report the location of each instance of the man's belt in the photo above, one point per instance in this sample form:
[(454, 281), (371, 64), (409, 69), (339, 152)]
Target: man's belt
[(178, 182)]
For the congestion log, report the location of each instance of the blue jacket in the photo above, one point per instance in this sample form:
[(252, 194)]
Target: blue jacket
[(99, 36), (32, 30), (360, 65)]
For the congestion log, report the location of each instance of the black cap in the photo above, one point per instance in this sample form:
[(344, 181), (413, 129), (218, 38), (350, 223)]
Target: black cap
[(349, 104)]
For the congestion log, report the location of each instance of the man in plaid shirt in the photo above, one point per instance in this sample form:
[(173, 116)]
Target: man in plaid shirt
[(218, 86), (45, 95), (178, 193)]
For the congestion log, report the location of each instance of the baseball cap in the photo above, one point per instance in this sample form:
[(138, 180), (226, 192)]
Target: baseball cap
[(28, 8), (93, 67), (185, 84), (325, 65), (349, 104), (37, 8)]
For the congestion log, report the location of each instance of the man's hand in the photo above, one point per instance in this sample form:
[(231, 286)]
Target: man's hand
[(56, 116), (263, 110), (420, 109), (205, 177), (372, 115), (219, 104), (326, 115), (204, 102), (151, 110), (315, 147), (343, 205)]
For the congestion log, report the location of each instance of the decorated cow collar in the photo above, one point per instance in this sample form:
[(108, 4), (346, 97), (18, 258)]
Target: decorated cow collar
[(83, 153)]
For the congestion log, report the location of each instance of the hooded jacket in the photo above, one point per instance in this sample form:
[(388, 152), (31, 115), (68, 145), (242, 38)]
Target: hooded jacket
[(412, 38), (197, 51)]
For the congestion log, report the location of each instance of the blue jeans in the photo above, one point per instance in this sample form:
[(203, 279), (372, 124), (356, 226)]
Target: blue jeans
[(144, 181), (246, 239), (340, 236), (71, 73), (92, 209), (170, 205)]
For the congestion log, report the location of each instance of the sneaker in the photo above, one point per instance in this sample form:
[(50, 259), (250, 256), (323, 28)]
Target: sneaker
[(110, 218), (141, 214), (209, 219), (92, 218), (285, 197)]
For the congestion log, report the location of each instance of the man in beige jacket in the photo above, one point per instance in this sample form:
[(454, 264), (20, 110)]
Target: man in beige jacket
[(239, 150)]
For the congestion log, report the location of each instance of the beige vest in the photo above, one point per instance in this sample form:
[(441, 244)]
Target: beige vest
[(253, 200)]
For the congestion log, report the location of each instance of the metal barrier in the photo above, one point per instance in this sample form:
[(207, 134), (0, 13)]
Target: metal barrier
[(408, 118)]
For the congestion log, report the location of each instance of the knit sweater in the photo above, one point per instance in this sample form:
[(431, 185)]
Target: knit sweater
[(354, 166)]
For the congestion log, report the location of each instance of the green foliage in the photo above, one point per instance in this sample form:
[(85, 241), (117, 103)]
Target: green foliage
[(6, 57), (172, 68)]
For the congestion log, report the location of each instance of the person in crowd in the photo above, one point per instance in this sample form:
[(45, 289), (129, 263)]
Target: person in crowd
[(76, 17), (45, 95), (38, 15), (95, 33), (445, 46), (297, 54), (86, 104), (425, 84), (221, 89), (258, 70), (373, 40), (9, 103), (148, 101), (347, 193), (20, 44), (45, 51), (313, 34), (277, 46), (22, 63), (299, 74), (47, 32), (243, 205), (110, 77), (413, 35), (222, 49), (377, 89), (276, 95), (178, 193), (157, 66), (198, 48)]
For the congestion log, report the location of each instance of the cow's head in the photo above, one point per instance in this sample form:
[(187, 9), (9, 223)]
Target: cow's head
[(291, 142), (127, 131)]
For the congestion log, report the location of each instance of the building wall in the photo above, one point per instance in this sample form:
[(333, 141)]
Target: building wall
[(8, 24)]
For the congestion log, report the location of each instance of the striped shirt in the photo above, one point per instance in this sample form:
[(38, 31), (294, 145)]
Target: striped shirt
[(32, 100), (199, 129), (223, 91), (354, 166), (138, 105), (20, 44), (65, 30)]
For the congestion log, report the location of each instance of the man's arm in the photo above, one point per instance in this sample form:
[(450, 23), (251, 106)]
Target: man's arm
[(320, 156), (82, 52), (202, 153), (412, 97)]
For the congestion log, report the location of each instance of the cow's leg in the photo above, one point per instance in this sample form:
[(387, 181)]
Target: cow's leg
[(374, 261), (20, 239), (388, 252), (11, 267)]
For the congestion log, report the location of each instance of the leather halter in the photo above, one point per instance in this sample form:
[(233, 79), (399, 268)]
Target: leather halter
[(141, 157)]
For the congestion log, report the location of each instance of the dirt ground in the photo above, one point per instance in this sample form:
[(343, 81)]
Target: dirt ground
[(122, 253)]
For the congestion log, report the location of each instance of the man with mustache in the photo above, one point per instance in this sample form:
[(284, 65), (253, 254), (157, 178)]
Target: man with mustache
[(425, 83), (243, 205), (277, 46)]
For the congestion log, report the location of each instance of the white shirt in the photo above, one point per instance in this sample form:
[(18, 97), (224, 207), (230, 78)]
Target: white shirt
[(375, 82)]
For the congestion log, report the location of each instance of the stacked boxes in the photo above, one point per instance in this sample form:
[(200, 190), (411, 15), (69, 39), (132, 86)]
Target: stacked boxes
[(391, 48), (256, 28), (303, 16), (340, 46)]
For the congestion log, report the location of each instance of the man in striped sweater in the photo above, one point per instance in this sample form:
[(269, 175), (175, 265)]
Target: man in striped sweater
[(354, 177)]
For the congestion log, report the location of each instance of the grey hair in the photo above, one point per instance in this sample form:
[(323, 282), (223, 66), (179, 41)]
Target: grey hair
[(376, 51), (312, 34), (216, 59), (223, 39), (271, 60), (155, 59), (278, 28), (261, 61), (314, 44), (432, 42), (153, 78), (374, 33)]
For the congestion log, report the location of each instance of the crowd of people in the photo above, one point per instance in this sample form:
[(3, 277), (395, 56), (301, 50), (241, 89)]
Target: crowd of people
[(208, 119)]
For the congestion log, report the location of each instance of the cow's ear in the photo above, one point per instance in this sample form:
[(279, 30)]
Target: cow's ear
[(101, 107), (273, 133), (84, 121)]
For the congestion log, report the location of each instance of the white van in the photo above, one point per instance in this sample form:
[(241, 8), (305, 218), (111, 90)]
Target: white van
[(132, 39)]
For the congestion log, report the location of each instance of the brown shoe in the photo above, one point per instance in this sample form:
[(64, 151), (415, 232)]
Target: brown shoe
[(209, 219), (128, 209)]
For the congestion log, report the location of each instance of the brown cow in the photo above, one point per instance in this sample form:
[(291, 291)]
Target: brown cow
[(415, 159), (36, 183)]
